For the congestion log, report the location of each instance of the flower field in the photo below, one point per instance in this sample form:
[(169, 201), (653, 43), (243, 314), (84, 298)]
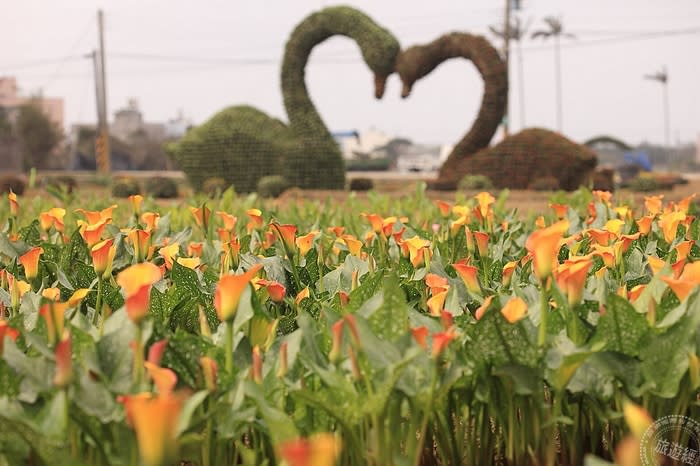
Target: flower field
[(380, 332)]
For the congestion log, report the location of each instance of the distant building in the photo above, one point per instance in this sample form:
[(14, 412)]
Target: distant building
[(11, 101), (135, 144), (363, 145)]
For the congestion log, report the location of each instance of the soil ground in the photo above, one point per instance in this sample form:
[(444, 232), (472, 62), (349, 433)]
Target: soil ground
[(526, 202)]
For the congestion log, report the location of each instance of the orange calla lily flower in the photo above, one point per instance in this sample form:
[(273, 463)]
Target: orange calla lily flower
[(354, 245), (6, 330), (416, 250), (684, 204), (440, 342), (468, 274), (102, 257), (136, 200), (169, 253), (508, 270), (420, 334), (681, 287), (444, 208), (484, 200), (337, 341), (195, 249), (92, 233), (210, 370), (614, 226), (653, 204), (52, 294), (437, 303), (482, 243), (155, 352), (544, 245), (603, 196), (155, 420), (571, 278), (201, 216), (306, 242), (150, 220), (638, 419), (318, 450), (656, 264), (514, 310), (14, 205), (64, 364), (189, 262), (52, 218), (634, 293), (256, 366), (683, 249), (141, 241), (481, 310), (376, 221), (30, 261), (17, 289), (436, 283), (163, 378), (136, 281), (256, 219), (669, 224), (602, 237), (560, 210), (286, 234), (229, 290), (302, 295), (276, 290), (228, 219)]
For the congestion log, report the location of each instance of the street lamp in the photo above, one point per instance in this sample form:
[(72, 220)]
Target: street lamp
[(662, 77)]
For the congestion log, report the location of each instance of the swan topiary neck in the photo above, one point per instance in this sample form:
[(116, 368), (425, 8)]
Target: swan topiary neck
[(319, 157)]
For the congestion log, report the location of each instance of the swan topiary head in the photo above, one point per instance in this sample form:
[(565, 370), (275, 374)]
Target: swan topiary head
[(379, 47)]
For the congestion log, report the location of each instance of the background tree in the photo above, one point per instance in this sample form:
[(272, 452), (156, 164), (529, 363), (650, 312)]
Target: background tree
[(37, 135)]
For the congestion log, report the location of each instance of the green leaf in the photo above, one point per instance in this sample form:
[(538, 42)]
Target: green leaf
[(621, 327), (387, 311), (115, 358), (494, 340), (665, 355), (188, 409)]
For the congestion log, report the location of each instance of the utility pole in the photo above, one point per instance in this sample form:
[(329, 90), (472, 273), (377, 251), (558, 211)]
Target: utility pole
[(102, 149), (506, 54)]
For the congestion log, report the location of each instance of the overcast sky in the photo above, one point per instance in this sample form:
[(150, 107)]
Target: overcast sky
[(183, 55)]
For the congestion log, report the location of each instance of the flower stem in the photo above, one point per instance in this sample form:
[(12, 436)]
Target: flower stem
[(228, 346), (137, 372), (426, 418), (98, 301), (544, 309)]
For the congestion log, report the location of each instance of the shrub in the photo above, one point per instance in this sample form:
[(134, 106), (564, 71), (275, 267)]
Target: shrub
[(442, 184), (16, 183), (643, 184), (520, 158), (272, 186), (162, 187), (475, 182), (63, 183), (125, 187), (361, 184), (544, 183), (214, 186), (239, 145)]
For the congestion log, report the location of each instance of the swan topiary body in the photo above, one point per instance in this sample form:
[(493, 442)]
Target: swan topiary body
[(242, 144)]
